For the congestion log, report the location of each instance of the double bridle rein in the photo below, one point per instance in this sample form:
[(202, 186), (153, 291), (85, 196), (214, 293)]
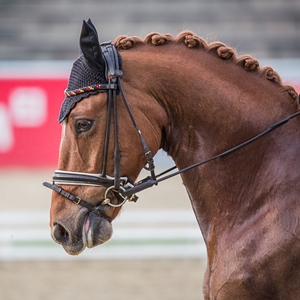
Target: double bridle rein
[(121, 186)]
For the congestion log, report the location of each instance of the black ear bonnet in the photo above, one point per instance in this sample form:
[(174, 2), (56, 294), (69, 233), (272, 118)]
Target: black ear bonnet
[(88, 72)]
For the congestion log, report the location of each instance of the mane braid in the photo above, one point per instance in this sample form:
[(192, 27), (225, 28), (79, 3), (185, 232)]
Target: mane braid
[(190, 40)]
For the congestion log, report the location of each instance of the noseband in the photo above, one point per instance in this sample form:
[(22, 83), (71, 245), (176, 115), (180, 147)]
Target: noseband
[(121, 186)]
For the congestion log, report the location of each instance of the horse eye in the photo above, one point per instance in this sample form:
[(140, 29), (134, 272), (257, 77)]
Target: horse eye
[(83, 125)]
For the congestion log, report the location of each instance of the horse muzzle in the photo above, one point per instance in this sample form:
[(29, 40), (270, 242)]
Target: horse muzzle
[(87, 230)]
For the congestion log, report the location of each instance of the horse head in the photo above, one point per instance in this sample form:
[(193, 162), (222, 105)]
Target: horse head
[(102, 148)]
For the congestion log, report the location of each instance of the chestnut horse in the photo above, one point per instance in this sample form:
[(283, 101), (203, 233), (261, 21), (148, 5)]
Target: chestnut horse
[(194, 100)]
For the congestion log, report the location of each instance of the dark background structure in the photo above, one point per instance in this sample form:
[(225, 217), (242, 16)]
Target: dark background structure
[(49, 30)]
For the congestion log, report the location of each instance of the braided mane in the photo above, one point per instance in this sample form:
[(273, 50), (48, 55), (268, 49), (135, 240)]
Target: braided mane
[(190, 40)]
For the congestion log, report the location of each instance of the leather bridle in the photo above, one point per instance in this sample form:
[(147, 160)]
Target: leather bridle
[(118, 184), (121, 186)]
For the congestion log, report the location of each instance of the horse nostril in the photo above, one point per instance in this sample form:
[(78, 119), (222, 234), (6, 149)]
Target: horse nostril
[(60, 234)]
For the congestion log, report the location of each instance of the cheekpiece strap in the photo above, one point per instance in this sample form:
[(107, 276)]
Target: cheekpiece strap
[(110, 55)]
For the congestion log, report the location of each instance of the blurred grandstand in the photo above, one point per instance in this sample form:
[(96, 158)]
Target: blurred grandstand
[(48, 30)]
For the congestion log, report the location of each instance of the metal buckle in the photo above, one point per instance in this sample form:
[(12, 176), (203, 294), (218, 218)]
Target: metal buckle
[(78, 200)]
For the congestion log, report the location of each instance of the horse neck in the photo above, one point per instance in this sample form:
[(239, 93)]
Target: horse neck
[(217, 107), (213, 105)]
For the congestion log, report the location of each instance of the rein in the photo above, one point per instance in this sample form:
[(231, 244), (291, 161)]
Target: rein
[(148, 182), (121, 186)]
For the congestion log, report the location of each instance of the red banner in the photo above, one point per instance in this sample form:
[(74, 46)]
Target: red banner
[(29, 131)]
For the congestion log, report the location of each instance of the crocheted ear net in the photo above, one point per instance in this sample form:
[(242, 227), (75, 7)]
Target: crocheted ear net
[(81, 76)]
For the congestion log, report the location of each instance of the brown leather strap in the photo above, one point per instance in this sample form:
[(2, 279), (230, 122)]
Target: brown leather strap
[(76, 200)]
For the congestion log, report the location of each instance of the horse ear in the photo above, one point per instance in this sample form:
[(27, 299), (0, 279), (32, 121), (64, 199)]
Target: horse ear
[(90, 46)]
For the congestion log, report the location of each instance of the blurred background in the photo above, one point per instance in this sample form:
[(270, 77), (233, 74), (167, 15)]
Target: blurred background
[(156, 251)]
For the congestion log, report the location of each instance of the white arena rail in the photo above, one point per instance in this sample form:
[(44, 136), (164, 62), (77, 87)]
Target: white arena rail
[(137, 234)]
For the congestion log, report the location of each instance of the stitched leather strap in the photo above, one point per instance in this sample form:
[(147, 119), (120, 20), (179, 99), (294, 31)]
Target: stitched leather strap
[(76, 200)]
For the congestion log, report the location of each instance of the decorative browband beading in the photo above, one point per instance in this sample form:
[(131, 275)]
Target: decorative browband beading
[(95, 87)]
